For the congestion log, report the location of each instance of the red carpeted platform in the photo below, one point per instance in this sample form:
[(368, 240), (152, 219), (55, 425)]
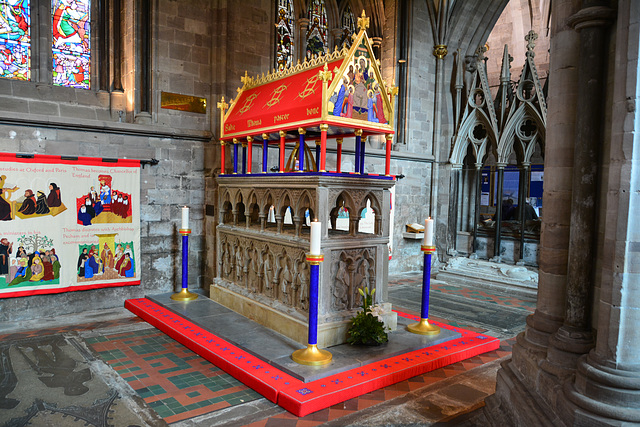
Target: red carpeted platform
[(294, 395)]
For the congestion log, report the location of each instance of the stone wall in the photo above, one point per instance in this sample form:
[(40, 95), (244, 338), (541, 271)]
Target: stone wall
[(36, 117)]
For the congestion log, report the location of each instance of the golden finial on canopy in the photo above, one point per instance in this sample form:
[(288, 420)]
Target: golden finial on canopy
[(222, 105), (363, 21), (325, 74)]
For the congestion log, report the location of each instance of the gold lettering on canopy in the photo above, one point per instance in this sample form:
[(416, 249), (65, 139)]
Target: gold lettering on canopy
[(280, 117), (176, 101)]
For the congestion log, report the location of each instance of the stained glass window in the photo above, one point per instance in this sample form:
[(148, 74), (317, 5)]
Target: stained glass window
[(71, 43), (284, 37), (348, 27), (317, 32), (15, 39)]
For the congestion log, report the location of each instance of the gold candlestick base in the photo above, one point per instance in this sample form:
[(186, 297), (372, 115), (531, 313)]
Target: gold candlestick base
[(423, 327), (312, 356), (184, 295)]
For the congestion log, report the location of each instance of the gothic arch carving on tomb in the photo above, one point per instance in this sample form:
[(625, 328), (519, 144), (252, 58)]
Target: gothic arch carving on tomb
[(351, 270)]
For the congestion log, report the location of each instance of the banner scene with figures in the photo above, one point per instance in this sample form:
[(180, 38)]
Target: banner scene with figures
[(67, 225)]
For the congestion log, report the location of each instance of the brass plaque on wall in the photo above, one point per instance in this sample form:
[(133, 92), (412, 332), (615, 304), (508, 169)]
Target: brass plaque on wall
[(176, 101)]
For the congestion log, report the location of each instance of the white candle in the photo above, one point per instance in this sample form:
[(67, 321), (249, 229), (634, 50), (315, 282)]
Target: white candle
[(316, 228), (185, 218), (428, 232)]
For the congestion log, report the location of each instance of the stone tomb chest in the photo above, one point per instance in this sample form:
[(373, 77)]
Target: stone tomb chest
[(262, 270)]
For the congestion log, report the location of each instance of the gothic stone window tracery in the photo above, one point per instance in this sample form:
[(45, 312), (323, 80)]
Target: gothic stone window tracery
[(317, 32), (348, 27), (284, 34)]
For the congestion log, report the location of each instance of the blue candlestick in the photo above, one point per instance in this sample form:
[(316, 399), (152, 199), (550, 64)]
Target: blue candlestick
[(312, 355), (423, 327), (184, 294), (314, 270)]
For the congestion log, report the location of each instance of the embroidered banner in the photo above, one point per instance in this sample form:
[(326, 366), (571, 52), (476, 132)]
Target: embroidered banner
[(67, 224)]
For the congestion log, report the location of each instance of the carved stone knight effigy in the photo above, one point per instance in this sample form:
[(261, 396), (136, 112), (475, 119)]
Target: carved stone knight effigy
[(264, 217)]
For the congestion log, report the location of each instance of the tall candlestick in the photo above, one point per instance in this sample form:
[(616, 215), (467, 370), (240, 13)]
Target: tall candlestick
[(184, 294), (316, 228), (185, 218), (428, 232)]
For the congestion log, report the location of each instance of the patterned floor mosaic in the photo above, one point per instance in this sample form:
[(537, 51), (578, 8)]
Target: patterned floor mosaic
[(177, 383)]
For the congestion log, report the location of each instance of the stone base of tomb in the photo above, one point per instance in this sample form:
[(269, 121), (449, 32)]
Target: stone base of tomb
[(292, 324)]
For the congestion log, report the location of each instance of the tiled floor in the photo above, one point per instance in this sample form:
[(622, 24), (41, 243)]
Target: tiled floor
[(177, 383), (183, 388)]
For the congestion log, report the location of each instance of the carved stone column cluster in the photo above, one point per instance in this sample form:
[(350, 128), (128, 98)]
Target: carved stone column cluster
[(578, 362)]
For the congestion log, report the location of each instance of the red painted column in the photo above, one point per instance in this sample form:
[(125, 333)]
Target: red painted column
[(249, 145), (387, 160), (282, 135), (221, 157), (339, 160), (323, 146)]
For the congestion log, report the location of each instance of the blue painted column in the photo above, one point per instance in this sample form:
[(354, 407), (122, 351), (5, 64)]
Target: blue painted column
[(265, 152), (244, 158), (358, 143), (363, 143), (235, 156), (302, 133)]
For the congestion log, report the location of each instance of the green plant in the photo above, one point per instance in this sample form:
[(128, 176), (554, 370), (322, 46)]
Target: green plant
[(367, 326)]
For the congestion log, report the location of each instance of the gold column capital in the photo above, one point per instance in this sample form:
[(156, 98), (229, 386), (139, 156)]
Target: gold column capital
[(249, 139), (440, 51), (388, 137), (222, 143), (324, 127), (265, 136), (282, 134), (358, 132), (339, 141), (302, 131), (235, 140)]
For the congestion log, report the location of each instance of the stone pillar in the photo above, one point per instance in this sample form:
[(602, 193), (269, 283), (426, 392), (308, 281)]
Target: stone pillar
[(452, 235), (303, 25), (575, 338), (606, 390), (523, 391), (498, 216), (376, 44)]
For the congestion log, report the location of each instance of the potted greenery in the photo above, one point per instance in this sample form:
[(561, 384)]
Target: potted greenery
[(367, 326)]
